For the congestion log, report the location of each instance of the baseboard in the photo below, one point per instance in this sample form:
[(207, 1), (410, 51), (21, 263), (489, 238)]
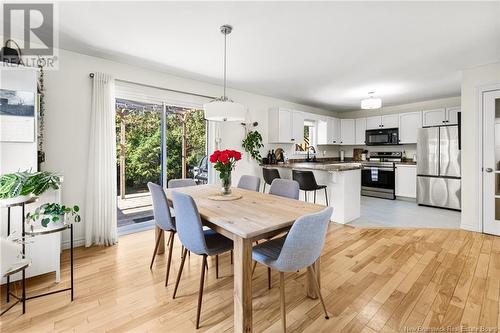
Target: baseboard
[(76, 243)]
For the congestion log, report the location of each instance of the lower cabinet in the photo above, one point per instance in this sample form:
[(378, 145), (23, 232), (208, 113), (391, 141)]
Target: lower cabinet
[(406, 180)]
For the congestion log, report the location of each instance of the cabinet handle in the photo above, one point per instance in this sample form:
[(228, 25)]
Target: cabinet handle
[(292, 139)]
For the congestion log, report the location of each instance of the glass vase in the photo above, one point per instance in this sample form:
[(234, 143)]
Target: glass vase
[(225, 179)]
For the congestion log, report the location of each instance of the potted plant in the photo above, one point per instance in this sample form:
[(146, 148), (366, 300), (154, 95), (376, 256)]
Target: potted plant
[(21, 186), (224, 161), (252, 143), (53, 212)]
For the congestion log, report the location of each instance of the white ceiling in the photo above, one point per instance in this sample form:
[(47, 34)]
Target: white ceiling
[(326, 54)]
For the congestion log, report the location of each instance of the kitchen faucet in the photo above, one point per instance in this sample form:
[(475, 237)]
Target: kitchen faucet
[(308, 159)]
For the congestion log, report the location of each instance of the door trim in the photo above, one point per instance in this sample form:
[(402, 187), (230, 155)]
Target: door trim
[(479, 93)]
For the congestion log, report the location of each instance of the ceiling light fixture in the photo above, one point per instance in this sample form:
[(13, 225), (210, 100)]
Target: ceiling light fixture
[(223, 108), (371, 102)]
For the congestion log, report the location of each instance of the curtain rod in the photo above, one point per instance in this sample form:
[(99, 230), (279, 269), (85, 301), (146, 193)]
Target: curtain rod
[(91, 75)]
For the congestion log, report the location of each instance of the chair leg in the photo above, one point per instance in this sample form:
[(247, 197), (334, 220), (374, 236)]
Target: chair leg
[(264, 188), (305, 195), (169, 260), (200, 292), (180, 272), (326, 196), (253, 268), (231, 257), (316, 286), (314, 196), (282, 301), (269, 278), (217, 266), (156, 248)]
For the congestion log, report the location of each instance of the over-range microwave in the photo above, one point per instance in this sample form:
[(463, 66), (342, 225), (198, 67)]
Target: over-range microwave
[(380, 137)]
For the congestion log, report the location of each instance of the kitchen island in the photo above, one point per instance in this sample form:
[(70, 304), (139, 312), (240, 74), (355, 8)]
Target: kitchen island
[(343, 181)]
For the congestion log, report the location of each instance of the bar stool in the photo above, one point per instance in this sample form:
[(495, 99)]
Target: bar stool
[(269, 176), (307, 182)]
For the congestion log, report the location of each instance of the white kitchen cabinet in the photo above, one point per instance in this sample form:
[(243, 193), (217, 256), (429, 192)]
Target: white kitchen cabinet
[(390, 121), (452, 115), (373, 122), (334, 130), (322, 131), (385, 121), (435, 117), (328, 131), (347, 132), (360, 131), (409, 123), (285, 125), (406, 180)]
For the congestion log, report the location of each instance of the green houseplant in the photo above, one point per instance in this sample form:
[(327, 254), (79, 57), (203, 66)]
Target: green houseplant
[(252, 143), (24, 184), (53, 212)]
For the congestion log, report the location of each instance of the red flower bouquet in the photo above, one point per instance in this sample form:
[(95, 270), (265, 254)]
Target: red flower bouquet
[(224, 162)]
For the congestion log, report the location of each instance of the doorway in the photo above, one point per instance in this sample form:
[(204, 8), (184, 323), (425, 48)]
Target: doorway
[(155, 143), (491, 162)]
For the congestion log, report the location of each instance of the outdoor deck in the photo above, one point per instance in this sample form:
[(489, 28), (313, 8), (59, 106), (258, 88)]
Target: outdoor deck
[(135, 208)]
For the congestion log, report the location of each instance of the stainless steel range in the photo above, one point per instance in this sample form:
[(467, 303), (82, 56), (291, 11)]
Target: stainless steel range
[(378, 175)]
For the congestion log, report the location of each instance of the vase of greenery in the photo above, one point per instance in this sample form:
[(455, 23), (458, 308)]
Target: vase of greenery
[(224, 162), (55, 213), (21, 186), (252, 144)]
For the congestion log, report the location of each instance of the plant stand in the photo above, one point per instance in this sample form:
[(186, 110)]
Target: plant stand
[(34, 232)]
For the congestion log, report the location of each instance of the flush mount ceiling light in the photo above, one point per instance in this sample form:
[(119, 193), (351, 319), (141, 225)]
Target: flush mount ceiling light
[(371, 102), (223, 108)]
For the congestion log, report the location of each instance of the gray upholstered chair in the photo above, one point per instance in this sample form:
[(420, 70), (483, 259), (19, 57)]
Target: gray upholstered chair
[(195, 239), (285, 188), (300, 248), (185, 182), (164, 220), (251, 183)]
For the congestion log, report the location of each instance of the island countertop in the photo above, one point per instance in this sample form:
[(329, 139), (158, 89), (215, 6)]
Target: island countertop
[(316, 166)]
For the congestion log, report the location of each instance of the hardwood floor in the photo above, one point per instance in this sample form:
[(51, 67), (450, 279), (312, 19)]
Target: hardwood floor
[(373, 280)]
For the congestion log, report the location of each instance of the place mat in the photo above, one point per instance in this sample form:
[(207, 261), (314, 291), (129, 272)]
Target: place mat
[(220, 197)]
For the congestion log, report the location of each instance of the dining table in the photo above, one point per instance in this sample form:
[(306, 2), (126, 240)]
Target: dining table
[(251, 216)]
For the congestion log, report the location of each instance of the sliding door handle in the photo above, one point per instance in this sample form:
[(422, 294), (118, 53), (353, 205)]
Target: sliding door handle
[(489, 170)]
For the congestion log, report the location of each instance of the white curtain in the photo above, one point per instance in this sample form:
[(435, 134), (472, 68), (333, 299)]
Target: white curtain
[(101, 194)]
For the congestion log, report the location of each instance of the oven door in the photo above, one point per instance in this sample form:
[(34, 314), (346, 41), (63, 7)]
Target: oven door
[(378, 177)]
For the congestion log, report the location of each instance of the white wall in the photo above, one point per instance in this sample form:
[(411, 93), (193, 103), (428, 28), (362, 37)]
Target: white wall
[(68, 94), (472, 79)]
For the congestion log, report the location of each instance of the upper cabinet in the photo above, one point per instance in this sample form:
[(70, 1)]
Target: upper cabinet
[(328, 131), (334, 130), (360, 131), (347, 132), (442, 116), (385, 121), (409, 123), (285, 125)]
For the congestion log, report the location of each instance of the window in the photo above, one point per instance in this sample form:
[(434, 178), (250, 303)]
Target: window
[(309, 138)]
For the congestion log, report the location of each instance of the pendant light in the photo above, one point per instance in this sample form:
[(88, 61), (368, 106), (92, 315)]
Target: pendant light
[(223, 108), (371, 102)]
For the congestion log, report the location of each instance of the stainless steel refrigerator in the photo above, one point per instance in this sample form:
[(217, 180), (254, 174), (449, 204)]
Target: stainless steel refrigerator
[(438, 167)]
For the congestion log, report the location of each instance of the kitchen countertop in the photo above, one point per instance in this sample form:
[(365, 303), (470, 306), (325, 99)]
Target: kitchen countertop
[(319, 166)]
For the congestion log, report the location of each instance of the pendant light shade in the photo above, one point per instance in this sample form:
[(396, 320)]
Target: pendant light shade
[(371, 102), (224, 109)]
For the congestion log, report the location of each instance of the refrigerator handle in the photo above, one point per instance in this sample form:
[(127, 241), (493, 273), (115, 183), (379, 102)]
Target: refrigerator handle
[(459, 115)]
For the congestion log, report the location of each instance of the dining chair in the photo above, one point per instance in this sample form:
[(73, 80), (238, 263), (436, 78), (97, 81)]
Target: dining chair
[(195, 239), (185, 182), (307, 183), (165, 222), (285, 188), (269, 175), (300, 248), (251, 183)]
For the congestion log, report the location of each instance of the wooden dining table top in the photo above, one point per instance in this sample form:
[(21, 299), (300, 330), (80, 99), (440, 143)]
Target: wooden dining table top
[(252, 216)]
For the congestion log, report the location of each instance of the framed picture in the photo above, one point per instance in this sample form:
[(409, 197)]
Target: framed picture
[(17, 116)]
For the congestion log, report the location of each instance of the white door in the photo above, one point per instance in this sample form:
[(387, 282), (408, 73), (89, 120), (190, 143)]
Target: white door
[(297, 127), (347, 132), (491, 162), (409, 123), (285, 125), (390, 121), (360, 131), (434, 117), (452, 115), (334, 131), (373, 122)]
